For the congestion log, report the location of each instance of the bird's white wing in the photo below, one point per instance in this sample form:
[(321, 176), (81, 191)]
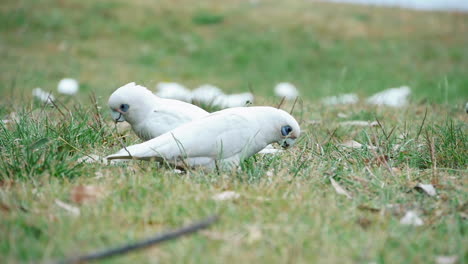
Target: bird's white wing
[(217, 136)]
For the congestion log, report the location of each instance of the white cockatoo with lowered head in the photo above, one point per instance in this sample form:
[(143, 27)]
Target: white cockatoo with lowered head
[(220, 140), (149, 115)]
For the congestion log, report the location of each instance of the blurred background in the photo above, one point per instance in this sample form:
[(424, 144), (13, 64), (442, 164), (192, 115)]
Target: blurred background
[(321, 47)]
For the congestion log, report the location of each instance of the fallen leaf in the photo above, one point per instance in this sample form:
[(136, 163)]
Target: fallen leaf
[(426, 188), (351, 144), (4, 207), (70, 208), (227, 195), (381, 160), (86, 193), (411, 218), (339, 189), (359, 123), (446, 259), (364, 222), (254, 234), (368, 208), (7, 183)]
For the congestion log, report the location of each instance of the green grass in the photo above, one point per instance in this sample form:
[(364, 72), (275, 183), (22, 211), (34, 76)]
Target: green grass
[(288, 211)]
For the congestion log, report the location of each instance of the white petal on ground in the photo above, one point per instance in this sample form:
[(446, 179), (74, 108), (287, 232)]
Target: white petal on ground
[(286, 90), (68, 86), (206, 94), (173, 90), (394, 97), (43, 96), (270, 150), (340, 190), (341, 99), (355, 145), (411, 218), (446, 259), (359, 123), (226, 195), (427, 188), (93, 158), (70, 208)]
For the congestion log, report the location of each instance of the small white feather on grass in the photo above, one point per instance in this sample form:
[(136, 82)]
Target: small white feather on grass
[(226, 195), (67, 207), (411, 218), (340, 190), (427, 189)]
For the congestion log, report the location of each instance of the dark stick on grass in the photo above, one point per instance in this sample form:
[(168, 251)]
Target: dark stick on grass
[(422, 125), (170, 235), (294, 104), (281, 102)]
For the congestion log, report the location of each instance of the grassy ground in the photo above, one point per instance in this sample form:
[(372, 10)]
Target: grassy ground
[(288, 210)]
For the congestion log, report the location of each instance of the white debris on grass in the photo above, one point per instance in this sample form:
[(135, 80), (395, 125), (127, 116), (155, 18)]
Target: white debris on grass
[(286, 90), (340, 190), (427, 188), (43, 96), (351, 144), (68, 86), (359, 123), (342, 115), (70, 208), (173, 90), (393, 97), (446, 259), (269, 149), (411, 218), (93, 158), (226, 195), (341, 99), (355, 145)]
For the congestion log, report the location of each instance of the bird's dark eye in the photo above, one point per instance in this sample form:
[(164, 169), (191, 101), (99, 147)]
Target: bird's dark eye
[(286, 130), (124, 107)]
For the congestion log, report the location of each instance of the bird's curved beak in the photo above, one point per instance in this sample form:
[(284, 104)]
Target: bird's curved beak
[(117, 115), (287, 142)]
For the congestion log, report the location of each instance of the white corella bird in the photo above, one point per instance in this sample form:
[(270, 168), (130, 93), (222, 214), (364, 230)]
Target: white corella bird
[(148, 114), (220, 140), (172, 90), (68, 86), (286, 90)]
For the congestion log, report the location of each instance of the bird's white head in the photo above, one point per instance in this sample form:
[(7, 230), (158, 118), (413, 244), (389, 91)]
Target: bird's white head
[(288, 129), (127, 102)]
